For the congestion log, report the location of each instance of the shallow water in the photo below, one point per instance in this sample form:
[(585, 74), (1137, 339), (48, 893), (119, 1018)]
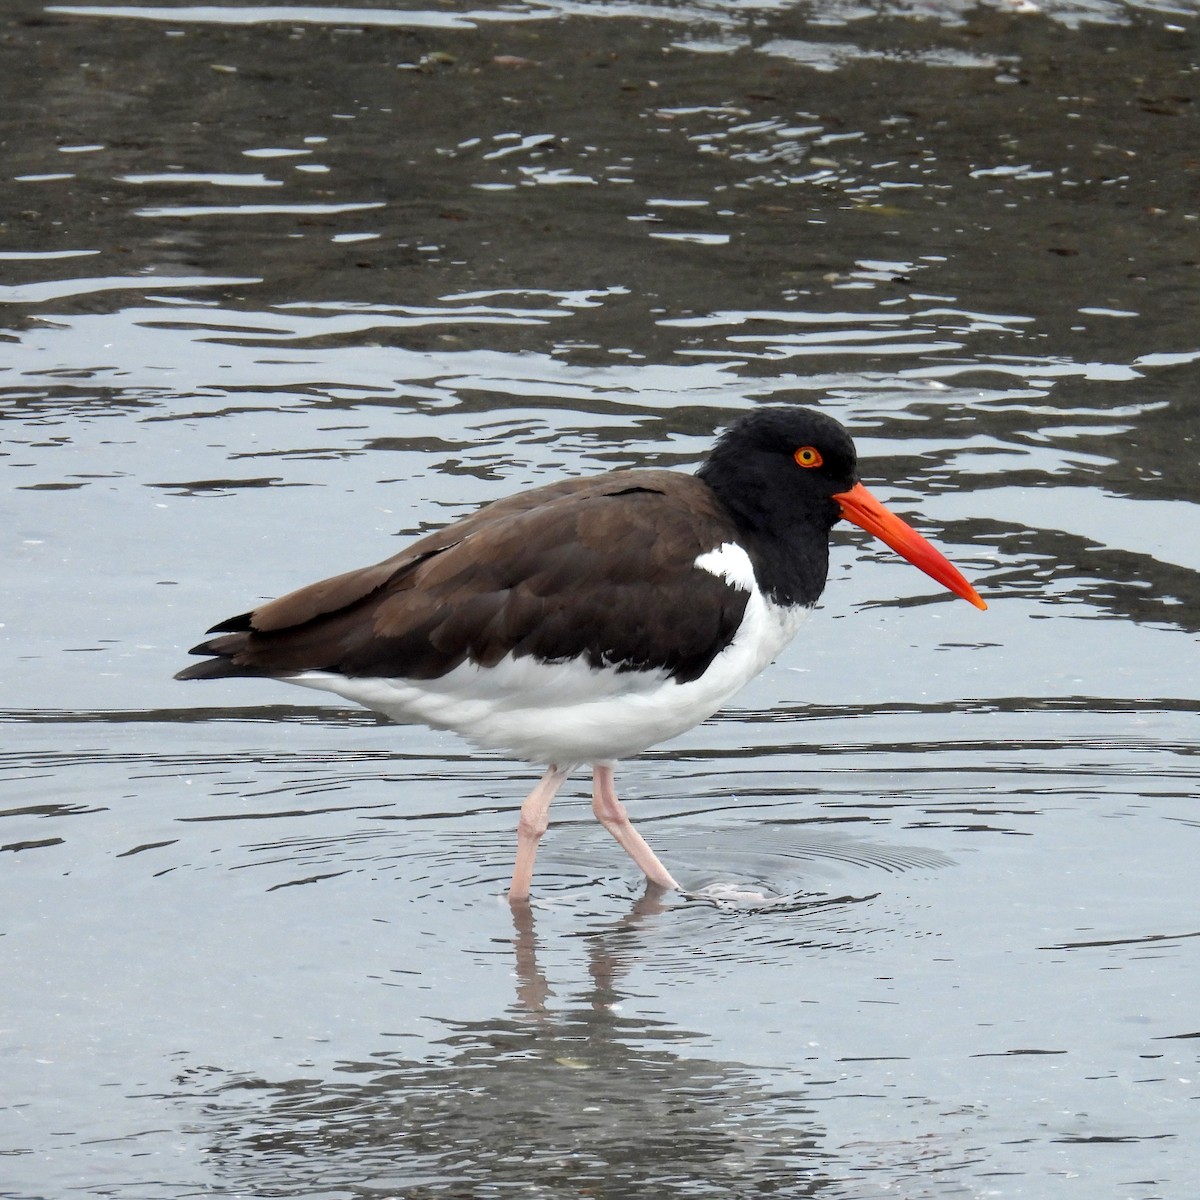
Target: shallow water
[(271, 276)]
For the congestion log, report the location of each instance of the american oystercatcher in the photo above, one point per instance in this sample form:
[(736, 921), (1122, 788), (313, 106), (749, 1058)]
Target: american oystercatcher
[(588, 619)]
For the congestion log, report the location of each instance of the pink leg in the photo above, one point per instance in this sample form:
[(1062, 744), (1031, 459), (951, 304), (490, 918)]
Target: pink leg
[(535, 816), (610, 812)]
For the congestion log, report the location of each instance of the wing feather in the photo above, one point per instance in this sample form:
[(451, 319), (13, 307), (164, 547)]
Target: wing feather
[(602, 569)]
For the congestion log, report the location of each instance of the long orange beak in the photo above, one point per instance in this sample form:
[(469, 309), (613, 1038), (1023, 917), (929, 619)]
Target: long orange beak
[(859, 506)]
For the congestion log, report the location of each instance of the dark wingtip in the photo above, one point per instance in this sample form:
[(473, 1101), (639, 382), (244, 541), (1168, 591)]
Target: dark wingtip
[(222, 668), (210, 669), (239, 624), (220, 659)]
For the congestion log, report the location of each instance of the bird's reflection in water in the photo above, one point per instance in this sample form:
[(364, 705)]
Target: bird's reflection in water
[(610, 953), (561, 1097)]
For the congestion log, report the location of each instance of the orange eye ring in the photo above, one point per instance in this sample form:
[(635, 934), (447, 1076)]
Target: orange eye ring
[(808, 456)]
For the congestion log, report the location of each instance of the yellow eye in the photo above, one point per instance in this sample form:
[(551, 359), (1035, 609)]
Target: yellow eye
[(808, 456)]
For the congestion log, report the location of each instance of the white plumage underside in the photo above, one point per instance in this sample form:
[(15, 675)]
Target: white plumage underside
[(570, 712)]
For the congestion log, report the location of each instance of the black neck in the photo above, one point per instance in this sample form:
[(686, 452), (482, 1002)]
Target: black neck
[(789, 549)]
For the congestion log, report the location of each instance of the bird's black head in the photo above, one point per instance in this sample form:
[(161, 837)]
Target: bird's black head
[(781, 466), (785, 475)]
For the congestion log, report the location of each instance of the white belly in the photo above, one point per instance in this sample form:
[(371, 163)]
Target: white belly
[(569, 712)]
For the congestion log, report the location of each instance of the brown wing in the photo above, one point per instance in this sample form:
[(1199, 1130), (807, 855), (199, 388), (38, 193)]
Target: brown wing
[(600, 568)]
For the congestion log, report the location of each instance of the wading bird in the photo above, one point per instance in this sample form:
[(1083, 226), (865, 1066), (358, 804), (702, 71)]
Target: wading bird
[(589, 619)]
